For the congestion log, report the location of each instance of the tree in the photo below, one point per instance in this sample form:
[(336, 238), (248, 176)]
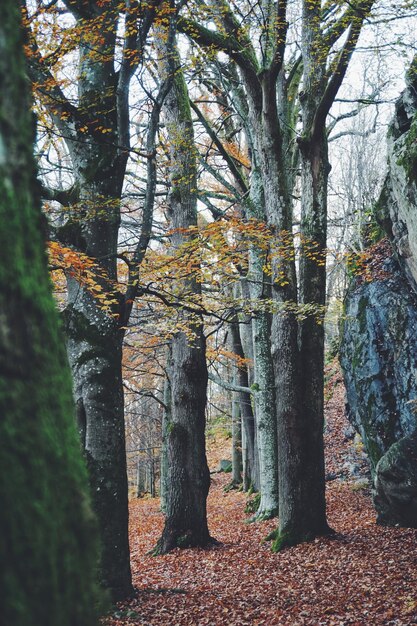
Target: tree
[(96, 132), (255, 280), (328, 39), (48, 547), (188, 477)]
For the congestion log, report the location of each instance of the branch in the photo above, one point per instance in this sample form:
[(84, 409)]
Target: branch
[(237, 175), (61, 110), (63, 196), (214, 171), (280, 41), (147, 217), (132, 53), (339, 72), (229, 386), (340, 26), (207, 38)]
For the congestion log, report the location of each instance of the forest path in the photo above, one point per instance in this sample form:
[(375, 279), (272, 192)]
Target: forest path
[(365, 576)]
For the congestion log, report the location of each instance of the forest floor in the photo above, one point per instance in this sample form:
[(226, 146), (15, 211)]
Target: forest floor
[(365, 575)]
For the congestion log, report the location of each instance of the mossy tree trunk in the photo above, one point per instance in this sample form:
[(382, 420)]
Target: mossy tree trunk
[(48, 546), (236, 442), (97, 135)]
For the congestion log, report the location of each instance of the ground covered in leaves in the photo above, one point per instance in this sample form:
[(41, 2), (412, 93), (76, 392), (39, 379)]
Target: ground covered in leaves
[(365, 575)]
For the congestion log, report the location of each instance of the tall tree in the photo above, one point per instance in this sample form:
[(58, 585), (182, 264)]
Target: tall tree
[(188, 474), (322, 79), (256, 282), (97, 135), (329, 37), (48, 546)]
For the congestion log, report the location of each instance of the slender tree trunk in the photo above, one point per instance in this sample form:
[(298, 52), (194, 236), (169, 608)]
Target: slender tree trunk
[(188, 477), (48, 548), (236, 441), (246, 482), (266, 424), (248, 418), (166, 426)]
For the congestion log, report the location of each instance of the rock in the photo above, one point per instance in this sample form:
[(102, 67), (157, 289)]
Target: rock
[(379, 335), (396, 210), (225, 466), (360, 484), (378, 355), (349, 433), (351, 469), (395, 485)]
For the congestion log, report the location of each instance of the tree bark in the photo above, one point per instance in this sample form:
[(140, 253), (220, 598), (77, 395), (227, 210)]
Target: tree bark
[(188, 475), (166, 425), (251, 473), (236, 442), (264, 381), (97, 134), (94, 336), (48, 547)]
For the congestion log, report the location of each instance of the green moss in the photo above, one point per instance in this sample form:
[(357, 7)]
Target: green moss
[(272, 535), (183, 541), (288, 539), (408, 158), (233, 485), (252, 505), (47, 527)]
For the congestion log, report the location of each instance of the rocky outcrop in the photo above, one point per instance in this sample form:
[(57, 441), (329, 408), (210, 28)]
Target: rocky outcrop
[(379, 338), (379, 360), (395, 486), (397, 208)]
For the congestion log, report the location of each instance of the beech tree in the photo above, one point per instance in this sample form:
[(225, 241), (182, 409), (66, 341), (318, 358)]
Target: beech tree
[(188, 476), (48, 546), (328, 39), (96, 131)]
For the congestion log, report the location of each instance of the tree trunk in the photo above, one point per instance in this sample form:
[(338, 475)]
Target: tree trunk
[(251, 473), (48, 547), (266, 424), (94, 341), (236, 441), (166, 425), (188, 476), (94, 338), (314, 173), (271, 161)]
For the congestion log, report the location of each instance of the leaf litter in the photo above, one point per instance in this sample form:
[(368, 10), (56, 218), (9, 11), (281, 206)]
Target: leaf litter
[(365, 575)]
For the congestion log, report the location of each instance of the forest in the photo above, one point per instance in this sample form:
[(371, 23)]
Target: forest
[(208, 312)]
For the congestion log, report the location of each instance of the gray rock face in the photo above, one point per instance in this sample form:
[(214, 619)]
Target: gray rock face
[(379, 339), (224, 466), (397, 210), (395, 487), (379, 361)]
